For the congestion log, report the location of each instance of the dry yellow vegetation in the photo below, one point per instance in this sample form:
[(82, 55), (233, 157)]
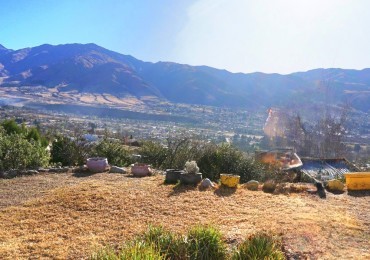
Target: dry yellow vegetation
[(64, 216)]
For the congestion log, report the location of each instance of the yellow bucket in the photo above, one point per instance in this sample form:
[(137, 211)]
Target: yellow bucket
[(358, 180), (229, 180)]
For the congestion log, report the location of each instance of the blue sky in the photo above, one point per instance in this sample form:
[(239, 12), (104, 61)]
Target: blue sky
[(238, 35)]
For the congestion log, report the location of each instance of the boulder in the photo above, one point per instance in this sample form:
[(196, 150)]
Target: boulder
[(252, 185), (269, 186), (116, 169), (206, 183), (59, 170), (31, 172), (335, 185)]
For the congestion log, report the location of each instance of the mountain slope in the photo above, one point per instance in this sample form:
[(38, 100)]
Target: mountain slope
[(88, 68)]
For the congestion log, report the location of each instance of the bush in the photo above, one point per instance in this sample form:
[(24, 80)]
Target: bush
[(179, 152), (205, 243), (18, 153), (70, 151), (153, 153), (170, 246), (227, 159), (211, 159), (200, 243), (269, 186), (105, 254), (30, 133), (11, 127), (136, 250), (114, 151), (259, 246)]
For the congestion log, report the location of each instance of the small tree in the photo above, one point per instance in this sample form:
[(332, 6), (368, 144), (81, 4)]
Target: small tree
[(154, 153), (70, 151), (19, 153), (114, 151)]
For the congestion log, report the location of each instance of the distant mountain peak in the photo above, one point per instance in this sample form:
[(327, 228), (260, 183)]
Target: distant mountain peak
[(3, 48), (90, 68)]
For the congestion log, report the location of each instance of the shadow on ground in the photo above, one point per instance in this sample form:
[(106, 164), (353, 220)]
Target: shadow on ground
[(225, 191), (180, 188), (82, 174), (359, 193), (335, 192)]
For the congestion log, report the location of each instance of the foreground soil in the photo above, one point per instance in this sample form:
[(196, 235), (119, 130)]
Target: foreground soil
[(68, 216)]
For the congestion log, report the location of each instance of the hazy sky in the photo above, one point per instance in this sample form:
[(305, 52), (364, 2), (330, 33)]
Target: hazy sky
[(238, 35)]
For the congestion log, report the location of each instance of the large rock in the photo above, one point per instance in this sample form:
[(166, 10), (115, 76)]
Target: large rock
[(269, 186), (115, 169), (252, 185), (31, 172), (59, 170), (335, 185), (206, 183)]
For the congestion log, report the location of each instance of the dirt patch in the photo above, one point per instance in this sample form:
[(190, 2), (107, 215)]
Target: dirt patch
[(70, 216)]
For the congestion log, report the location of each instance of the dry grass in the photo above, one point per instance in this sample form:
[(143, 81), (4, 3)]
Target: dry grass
[(71, 215)]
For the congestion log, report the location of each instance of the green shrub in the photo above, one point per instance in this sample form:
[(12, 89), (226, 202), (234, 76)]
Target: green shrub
[(205, 243), (136, 250), (212, 159), (170, 245), (70, 151), (179, 152), (114, 151), (269, 186), (18, 153), (11, 127), (259, 246), (153, 153), (227, 159), (105, 254)]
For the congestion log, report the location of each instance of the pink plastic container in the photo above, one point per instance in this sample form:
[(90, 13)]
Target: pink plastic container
[(141, 170), (97, 164)]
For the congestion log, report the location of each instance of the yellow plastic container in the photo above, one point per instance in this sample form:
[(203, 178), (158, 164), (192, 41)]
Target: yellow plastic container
[(358, 180), (229, 180)]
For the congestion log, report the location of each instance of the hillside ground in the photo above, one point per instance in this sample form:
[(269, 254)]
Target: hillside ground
[(68, 216)]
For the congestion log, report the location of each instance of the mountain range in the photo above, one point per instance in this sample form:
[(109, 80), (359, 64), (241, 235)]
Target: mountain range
[(89, 68)]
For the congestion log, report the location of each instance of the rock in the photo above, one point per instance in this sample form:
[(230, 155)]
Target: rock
[(282, 188), (252, 185), (12, 173), (42, 170), (31, 172), (206, 183), (269, 186), (80, 169), (115, 169), (335, 185), (60, 170)]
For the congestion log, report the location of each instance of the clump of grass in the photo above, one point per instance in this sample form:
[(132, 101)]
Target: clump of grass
[(139, 250), (200, 243), (259, 246), (205, 243), (170, 245), (135, 250), (104, 254)]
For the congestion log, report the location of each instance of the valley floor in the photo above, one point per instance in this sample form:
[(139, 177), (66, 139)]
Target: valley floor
[(68, 216)]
